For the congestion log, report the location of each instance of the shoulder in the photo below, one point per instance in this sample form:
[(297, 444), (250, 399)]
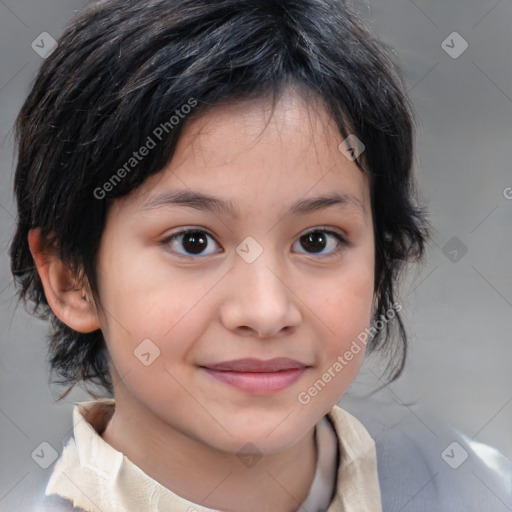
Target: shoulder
[(425, 464), (72, 464), (34, 499), (55, 503)]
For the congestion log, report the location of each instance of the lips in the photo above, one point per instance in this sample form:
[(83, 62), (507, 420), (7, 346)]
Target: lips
[(257, 377), (257, 365)]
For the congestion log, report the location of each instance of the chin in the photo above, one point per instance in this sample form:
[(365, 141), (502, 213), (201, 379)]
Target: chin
[(265, 440)]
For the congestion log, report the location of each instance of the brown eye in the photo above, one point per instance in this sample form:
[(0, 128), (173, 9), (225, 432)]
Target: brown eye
[(189, 242), (319, 240), (195, 242), (314, 241)]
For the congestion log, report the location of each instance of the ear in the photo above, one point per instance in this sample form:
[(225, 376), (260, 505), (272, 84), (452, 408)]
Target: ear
[(69, 301)]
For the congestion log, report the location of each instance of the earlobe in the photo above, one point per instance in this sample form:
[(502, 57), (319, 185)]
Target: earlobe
[(69, 301)]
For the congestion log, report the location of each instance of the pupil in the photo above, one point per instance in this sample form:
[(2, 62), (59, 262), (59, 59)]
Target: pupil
[(194, 242), (312, 240)]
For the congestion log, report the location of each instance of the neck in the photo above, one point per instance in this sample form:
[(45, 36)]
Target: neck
[(204, 475)]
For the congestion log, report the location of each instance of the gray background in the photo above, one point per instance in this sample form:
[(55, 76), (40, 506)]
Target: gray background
[(458, 305)]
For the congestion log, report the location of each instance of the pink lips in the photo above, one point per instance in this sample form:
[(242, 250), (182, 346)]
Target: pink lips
[(256, 376)]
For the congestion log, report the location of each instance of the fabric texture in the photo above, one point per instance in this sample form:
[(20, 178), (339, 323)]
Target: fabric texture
[(414, 476), (92, 476)]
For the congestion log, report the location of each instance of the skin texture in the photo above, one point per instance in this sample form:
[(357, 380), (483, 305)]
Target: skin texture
[(178, 424)]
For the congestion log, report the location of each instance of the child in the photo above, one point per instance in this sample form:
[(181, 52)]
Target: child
[(215, 202)]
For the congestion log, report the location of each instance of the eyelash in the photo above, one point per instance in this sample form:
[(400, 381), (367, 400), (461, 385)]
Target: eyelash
[(343, 243)]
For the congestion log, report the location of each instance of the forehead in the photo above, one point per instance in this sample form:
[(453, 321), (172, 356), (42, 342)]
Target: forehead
[(242, 151), (293, 125)]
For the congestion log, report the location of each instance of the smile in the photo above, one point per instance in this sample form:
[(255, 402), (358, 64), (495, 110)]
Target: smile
[(261, 383)]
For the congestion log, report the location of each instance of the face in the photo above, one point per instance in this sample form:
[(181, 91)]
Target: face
[(265, 272)]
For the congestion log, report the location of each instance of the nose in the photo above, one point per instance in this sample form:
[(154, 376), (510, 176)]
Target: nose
[(259, 300)]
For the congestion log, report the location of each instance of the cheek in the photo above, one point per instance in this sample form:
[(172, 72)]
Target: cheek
[(144, 296), (350, 313), (344, 301), (341, 308), (151, 309), (342, 349)]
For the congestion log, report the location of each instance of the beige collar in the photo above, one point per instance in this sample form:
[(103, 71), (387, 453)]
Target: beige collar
[(98, 478)]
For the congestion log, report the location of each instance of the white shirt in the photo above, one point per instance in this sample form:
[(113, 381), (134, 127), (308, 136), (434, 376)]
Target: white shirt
[(97, 478)]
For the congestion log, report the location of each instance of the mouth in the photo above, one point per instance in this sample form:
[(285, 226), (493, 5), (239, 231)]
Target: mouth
[(255, 376), (258, 365)]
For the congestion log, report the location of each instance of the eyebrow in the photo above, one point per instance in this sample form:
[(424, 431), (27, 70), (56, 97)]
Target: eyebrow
[(207, 203)]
